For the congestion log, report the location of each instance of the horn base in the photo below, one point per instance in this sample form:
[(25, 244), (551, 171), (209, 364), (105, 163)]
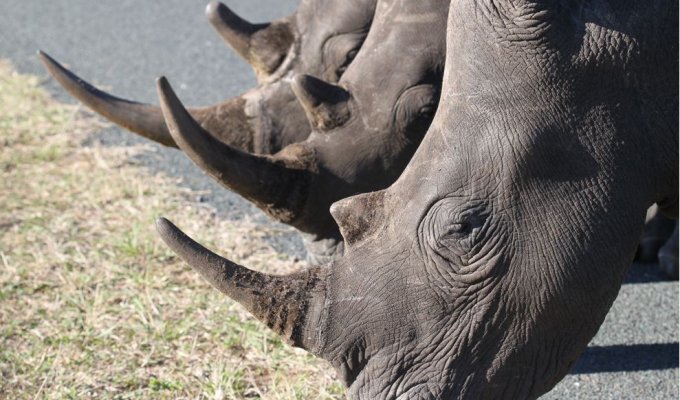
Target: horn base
[(291, 305)]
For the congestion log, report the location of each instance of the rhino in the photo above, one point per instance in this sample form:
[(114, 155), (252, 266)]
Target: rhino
[(660, 242), (365, 128), (321, 38), (484, 270), (278, 121), (668, 255)]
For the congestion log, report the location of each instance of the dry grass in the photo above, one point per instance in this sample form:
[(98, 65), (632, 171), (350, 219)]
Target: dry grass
[(92, 304)]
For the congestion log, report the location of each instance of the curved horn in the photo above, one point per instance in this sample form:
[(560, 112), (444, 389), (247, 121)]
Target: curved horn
[(144, 119), (283, 303), (234, 30), (227, 120), (324, 103), (278, 186), (263, 45)]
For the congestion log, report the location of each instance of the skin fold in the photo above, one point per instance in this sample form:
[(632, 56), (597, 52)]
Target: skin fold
[(486, 268), (365, 128), (321, 38)]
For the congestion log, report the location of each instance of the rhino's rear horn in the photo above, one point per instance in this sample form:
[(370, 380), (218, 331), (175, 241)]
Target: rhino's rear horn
[(358, 216), (264, 46), (324, 103), (287, 304), (276, 185)]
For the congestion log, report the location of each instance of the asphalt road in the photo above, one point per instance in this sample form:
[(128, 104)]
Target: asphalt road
[(124, 45)]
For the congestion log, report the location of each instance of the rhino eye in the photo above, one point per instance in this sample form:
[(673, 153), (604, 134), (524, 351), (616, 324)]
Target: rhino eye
[(348, 60), (458, 229), (461, 231), (463, 227), (414, 110), (427, 111), (339, 51)]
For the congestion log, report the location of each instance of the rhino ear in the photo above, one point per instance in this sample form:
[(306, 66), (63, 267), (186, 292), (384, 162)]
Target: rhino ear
[(324, 103), (264, 46)]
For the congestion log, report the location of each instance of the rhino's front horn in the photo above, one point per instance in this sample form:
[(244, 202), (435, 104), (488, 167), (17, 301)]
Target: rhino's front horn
[(143, 119), (324, 103), (264, 46), (289, 305), (227, 121), (277, 185)]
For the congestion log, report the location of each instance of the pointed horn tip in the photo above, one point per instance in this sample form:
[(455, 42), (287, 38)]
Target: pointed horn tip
[(213, 9), (186, 132), (67, 79), (170, 234), (50, 63), (300, 85), (167, 96), (219, 15), (162, 222), (302, 80), (165, 228), (183, 245), (174, 237), (303, 83), (162, 83), (177, 117)]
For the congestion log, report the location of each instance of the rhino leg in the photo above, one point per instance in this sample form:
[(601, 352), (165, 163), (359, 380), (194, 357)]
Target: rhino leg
[(668, 256), (658, 228)]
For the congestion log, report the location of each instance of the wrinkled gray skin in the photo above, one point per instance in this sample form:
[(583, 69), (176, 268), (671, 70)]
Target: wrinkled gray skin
[(321, 38), (365, 129), (485, 269)]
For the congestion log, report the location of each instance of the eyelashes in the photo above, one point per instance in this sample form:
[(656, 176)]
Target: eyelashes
[(339, 52), (415, 109), (456, 229), (348, 60)]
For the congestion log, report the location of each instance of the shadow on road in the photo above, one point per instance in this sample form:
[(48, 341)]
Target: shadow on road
[(625, 358), (645, 273)]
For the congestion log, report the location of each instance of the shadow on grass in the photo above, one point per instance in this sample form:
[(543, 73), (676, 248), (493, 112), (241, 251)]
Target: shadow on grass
[(627, 358)]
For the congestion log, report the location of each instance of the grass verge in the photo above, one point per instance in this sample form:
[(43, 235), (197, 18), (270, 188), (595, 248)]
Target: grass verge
[(92, 304)]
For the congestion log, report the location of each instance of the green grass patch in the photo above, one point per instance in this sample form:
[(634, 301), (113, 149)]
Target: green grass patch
[(92, 304)]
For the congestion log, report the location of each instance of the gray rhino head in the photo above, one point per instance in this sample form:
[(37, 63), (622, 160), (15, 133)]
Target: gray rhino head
[(484, 270)]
